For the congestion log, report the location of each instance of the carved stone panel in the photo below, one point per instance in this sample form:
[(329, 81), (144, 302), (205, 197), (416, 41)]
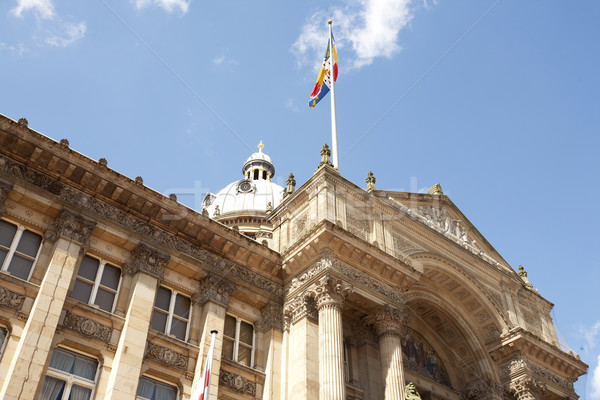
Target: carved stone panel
[(71, 226), (11, 300), (166, 356), (214, 289), (146, 259), (237, 383), (272, 317), (87, 327)]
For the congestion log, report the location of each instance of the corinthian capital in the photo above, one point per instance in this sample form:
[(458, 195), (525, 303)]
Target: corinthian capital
[(272, 317), (297, 308), (71, 226), (4, 190), (388, 320), (146, 259), (214, 289), (330, 291), (527, 388)]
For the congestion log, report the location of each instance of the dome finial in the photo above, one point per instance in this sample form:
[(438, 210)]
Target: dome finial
[(260, 146)]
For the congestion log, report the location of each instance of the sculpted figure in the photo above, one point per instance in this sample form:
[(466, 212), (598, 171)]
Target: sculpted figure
[(410, 392)]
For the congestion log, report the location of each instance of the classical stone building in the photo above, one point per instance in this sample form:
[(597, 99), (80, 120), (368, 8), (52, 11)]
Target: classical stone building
[(109, 290)]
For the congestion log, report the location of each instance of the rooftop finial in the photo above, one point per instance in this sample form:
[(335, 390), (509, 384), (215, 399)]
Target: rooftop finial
[(260, 146)]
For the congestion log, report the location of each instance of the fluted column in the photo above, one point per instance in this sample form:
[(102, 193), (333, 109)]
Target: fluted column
[(388, 324), (329, 295)]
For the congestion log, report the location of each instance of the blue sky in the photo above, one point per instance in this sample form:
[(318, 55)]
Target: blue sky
[(496, 100)]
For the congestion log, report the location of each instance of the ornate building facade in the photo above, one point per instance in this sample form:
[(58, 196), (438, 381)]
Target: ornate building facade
[(109, 290)]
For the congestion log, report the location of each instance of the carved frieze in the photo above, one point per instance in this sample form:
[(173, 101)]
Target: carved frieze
[(387, 321), (237, 382), (329, 292), (11, 300), (214, 289), (71, 226), (155, 233), (23, 172), (272, 317), (87, 327), (144, 258), (522, 366), (166, 356)]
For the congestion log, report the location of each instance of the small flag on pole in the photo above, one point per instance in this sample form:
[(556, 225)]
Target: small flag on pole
[(323, 84), (203, 389)]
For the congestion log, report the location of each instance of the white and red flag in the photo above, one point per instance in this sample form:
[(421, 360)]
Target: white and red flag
[(203, 389)]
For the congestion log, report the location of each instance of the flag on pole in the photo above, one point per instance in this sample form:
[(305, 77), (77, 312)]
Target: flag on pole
[(323, 84), (203, 389)]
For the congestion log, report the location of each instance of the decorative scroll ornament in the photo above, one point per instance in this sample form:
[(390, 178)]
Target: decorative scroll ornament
[(214, 289), (237, 382), (71, 226), (330, 291), (87, 327), (388, 321), (11, 300), (272, 317), (146, 259), (166, 356)]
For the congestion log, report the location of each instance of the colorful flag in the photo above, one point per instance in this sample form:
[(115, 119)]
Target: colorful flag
[(203, 389), (323, 84)]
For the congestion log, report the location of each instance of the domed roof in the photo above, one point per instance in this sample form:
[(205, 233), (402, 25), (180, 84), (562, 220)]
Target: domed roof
[(253, 195)]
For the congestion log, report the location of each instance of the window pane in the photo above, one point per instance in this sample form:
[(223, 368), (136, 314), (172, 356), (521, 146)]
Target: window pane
[(104, 299), (20, 267), (52, 389), (3, 254), (80, 393), (244, 354), (246, 333), (227, 349), (229, 326), (146, 388), (89, 268), (82, 290), (62, 360), (163, 298), (3, 334), (85, 367), (110, 277), (164, 392), (182, 306), (159, 321), (29, 243), (155, 390), (7, 233), (178, 328)]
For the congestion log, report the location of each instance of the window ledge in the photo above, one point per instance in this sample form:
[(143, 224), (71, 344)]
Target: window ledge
[(243, 367)]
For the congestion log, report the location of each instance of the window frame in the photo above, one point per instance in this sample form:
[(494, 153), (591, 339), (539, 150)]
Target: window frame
[(6, 337), (12, 249), (152, 378), (72, 379), (96, 283), (236, 341), (171, 313)]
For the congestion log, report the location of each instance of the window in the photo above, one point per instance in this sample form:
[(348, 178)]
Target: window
[(171, 313), (3, 337), (70, 376), (19, 249), (155, 390), (97, 283), (238, 341)]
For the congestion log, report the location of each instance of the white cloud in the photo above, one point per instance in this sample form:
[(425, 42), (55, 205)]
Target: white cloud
[(291, 105), (19, 49), (595, 382), (224, 59), (369, 27), (167, 5), (42, 8), (68, 34)]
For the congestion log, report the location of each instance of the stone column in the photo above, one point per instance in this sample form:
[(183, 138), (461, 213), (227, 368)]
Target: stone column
[(329, 295), (388, 324), (147, 265), (527, 388), (271, 324), (213, 295), (71, 232), (302, 347)]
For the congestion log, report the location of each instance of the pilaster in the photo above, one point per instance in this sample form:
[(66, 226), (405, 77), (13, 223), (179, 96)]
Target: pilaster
[(271, 324), (147, 266), (70, 232)]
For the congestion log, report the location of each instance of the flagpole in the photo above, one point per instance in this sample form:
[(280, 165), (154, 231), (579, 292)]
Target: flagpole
[(334, 145), (202, 391)]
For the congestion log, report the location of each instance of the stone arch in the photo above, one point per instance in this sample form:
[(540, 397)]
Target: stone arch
[(454, 337)]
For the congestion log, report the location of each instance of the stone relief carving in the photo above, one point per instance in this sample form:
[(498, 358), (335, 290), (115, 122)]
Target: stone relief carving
[(71, 226), (523, 366), (87, 327), (114, 214), (357, 223), (22, 171), (11, 300), (329, 291), (237, 383), (215, 289), (144, 258), (482, 390), (300, 225), (403, 249), (4, 190), (297, 308), (166, 356), (527, 388), (272, 317)]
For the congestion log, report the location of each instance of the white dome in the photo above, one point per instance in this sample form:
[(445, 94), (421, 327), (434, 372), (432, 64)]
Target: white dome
[(259, 156), (245, 196)]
